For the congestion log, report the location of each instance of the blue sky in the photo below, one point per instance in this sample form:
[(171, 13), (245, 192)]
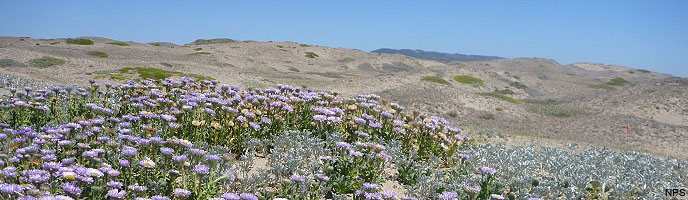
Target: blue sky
[(641, 34)]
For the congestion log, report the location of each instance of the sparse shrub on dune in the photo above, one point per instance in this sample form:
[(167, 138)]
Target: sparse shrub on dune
[(124, 44), (501, 96), (200, 53), (294, 69), (465, 79), (311, 55), (617, 82), (603, 86), (547, 101), (97, 54), (435, 79), (553, 110), (518, 85), (10, 63), (80, 41), (327, 74), (46, 61)]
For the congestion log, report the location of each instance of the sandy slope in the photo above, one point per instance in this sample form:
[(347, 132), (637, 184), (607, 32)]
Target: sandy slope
[(653, 104)]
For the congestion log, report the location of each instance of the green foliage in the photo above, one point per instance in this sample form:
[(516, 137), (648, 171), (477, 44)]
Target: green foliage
[(643, 71), (46, 61), (304, 45), (155, 44), (465, 79), (196, 76), (617, 82), (97, 54), (502, 97), (118, 77), (506, 92), (79, 41), (518, 85), (541, 101), (212, 41), (327, 74), (552, 110), (198, 49), (149, 72), (603, 86), (10, 63), (124, 44), (199, 53), (435, 79), (311, 55), (293, 69)]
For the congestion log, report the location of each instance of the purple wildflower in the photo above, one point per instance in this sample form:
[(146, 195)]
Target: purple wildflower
[(322, 177), (231, 196), (71, 188), (488, 171), (159, 197), (448, 196), (202, 169), (116, 193), (375, 125), (147, 163), (247, 196), (166, 151), (179, 192), (296, 178)]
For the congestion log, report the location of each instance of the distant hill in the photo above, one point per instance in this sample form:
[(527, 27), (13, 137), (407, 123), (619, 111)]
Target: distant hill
[(212, 41), (437, 56)]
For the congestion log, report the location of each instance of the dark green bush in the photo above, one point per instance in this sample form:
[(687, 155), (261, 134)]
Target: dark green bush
[(311, 55), (79, 41), (518, 85), (293, 69)]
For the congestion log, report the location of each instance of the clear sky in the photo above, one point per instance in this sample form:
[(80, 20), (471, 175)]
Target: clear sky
[(641, 34)]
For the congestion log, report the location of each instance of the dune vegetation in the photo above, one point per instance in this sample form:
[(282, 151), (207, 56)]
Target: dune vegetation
[(159, 138), (46, 61)]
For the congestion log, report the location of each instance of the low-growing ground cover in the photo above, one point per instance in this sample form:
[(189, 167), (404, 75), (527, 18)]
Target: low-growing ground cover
[(97, 54), (188, 139), (435, 79), (124, 44), (501, 96), (79, 41), (46, 61), (145, 73), (10, 63), (617, 82), (554, 110), (465, 79)]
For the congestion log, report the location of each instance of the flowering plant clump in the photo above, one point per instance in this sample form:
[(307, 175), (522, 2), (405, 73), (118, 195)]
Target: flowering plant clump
[(185, 139)]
